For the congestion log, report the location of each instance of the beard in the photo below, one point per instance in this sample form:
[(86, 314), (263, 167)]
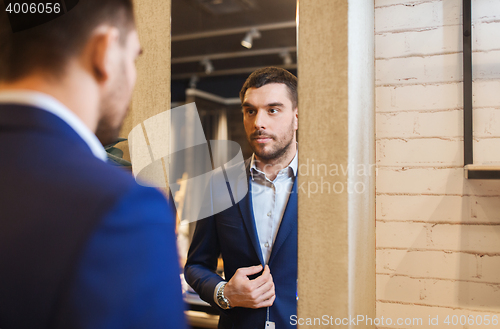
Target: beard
[(113, 110), (277, 149), (107, 130)]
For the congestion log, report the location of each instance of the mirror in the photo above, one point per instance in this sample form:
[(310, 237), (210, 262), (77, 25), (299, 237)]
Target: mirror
[(216, 45)]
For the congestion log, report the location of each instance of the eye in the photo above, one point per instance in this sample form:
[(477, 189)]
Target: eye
[(250, 112), (272, 111)]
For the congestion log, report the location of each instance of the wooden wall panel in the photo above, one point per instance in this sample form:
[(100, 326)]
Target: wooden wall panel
[(152, 90), (323, 126), (336, 123)]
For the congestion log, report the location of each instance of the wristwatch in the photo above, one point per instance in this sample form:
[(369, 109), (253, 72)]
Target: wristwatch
[(221, 299)]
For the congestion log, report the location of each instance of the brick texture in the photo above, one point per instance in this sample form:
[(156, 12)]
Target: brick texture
[(438, 234)]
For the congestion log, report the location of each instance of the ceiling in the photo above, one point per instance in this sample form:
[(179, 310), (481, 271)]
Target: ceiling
[(213, 29)]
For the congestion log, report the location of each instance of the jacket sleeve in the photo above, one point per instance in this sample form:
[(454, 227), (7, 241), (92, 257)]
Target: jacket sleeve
[(201, 265), (128, 275)]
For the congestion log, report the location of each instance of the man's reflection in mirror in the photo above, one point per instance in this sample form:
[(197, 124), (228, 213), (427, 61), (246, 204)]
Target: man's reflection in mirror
[(257, 237)]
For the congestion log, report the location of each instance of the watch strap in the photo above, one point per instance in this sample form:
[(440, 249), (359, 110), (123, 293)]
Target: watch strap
[(222, 301)]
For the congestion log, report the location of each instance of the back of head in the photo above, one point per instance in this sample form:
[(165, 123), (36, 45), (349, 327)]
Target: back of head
[(47, 48), (268, 75)]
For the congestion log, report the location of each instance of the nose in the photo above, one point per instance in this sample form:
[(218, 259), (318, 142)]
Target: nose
[(260, 120)]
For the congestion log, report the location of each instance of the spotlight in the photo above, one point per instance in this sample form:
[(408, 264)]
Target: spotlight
[(247, 41), (287, 58), (209, 68)]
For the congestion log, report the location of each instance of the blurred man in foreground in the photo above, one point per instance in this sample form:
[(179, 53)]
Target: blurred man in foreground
[(82, 245)]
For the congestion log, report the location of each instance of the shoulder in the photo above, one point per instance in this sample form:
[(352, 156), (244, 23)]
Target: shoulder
[(82, 175), (97, 188), (130, 203)]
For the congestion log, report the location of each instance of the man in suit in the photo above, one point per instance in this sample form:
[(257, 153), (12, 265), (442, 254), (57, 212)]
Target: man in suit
[(257, 237), (82, 245)]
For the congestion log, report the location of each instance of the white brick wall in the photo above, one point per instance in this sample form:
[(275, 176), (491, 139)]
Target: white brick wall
[(438, 234), (481, 239), (416, 15), (399, 98), (424, 313), (446, 293), (485, 37), (424, 124), (432, 181), (420, 152), (438, 208), (443, 265), (419, 70)]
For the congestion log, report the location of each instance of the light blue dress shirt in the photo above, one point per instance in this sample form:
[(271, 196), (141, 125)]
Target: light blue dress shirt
[(269, 200)]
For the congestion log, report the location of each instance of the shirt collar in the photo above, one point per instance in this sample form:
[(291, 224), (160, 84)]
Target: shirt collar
[(52, 105), (292, 167)]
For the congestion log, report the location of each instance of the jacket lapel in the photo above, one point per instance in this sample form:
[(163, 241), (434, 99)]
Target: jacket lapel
[(246, 209), (288, 222)]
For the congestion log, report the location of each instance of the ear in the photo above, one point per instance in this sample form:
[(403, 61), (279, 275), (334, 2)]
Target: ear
[(102, 49), (296, 119)]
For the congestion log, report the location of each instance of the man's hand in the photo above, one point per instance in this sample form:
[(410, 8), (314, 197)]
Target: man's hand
[(256, 293)]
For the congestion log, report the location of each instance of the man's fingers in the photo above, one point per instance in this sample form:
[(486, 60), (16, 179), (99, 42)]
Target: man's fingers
[(266, 303), (249, 270), (251, 293), (264, 288), (267, 293), (262, 279)]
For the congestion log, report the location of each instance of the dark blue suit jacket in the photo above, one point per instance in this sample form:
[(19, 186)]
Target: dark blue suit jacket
[(232, 234), (82, 245)]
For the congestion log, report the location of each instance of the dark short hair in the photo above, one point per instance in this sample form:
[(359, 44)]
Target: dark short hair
[(48, 47), (268, 75)]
